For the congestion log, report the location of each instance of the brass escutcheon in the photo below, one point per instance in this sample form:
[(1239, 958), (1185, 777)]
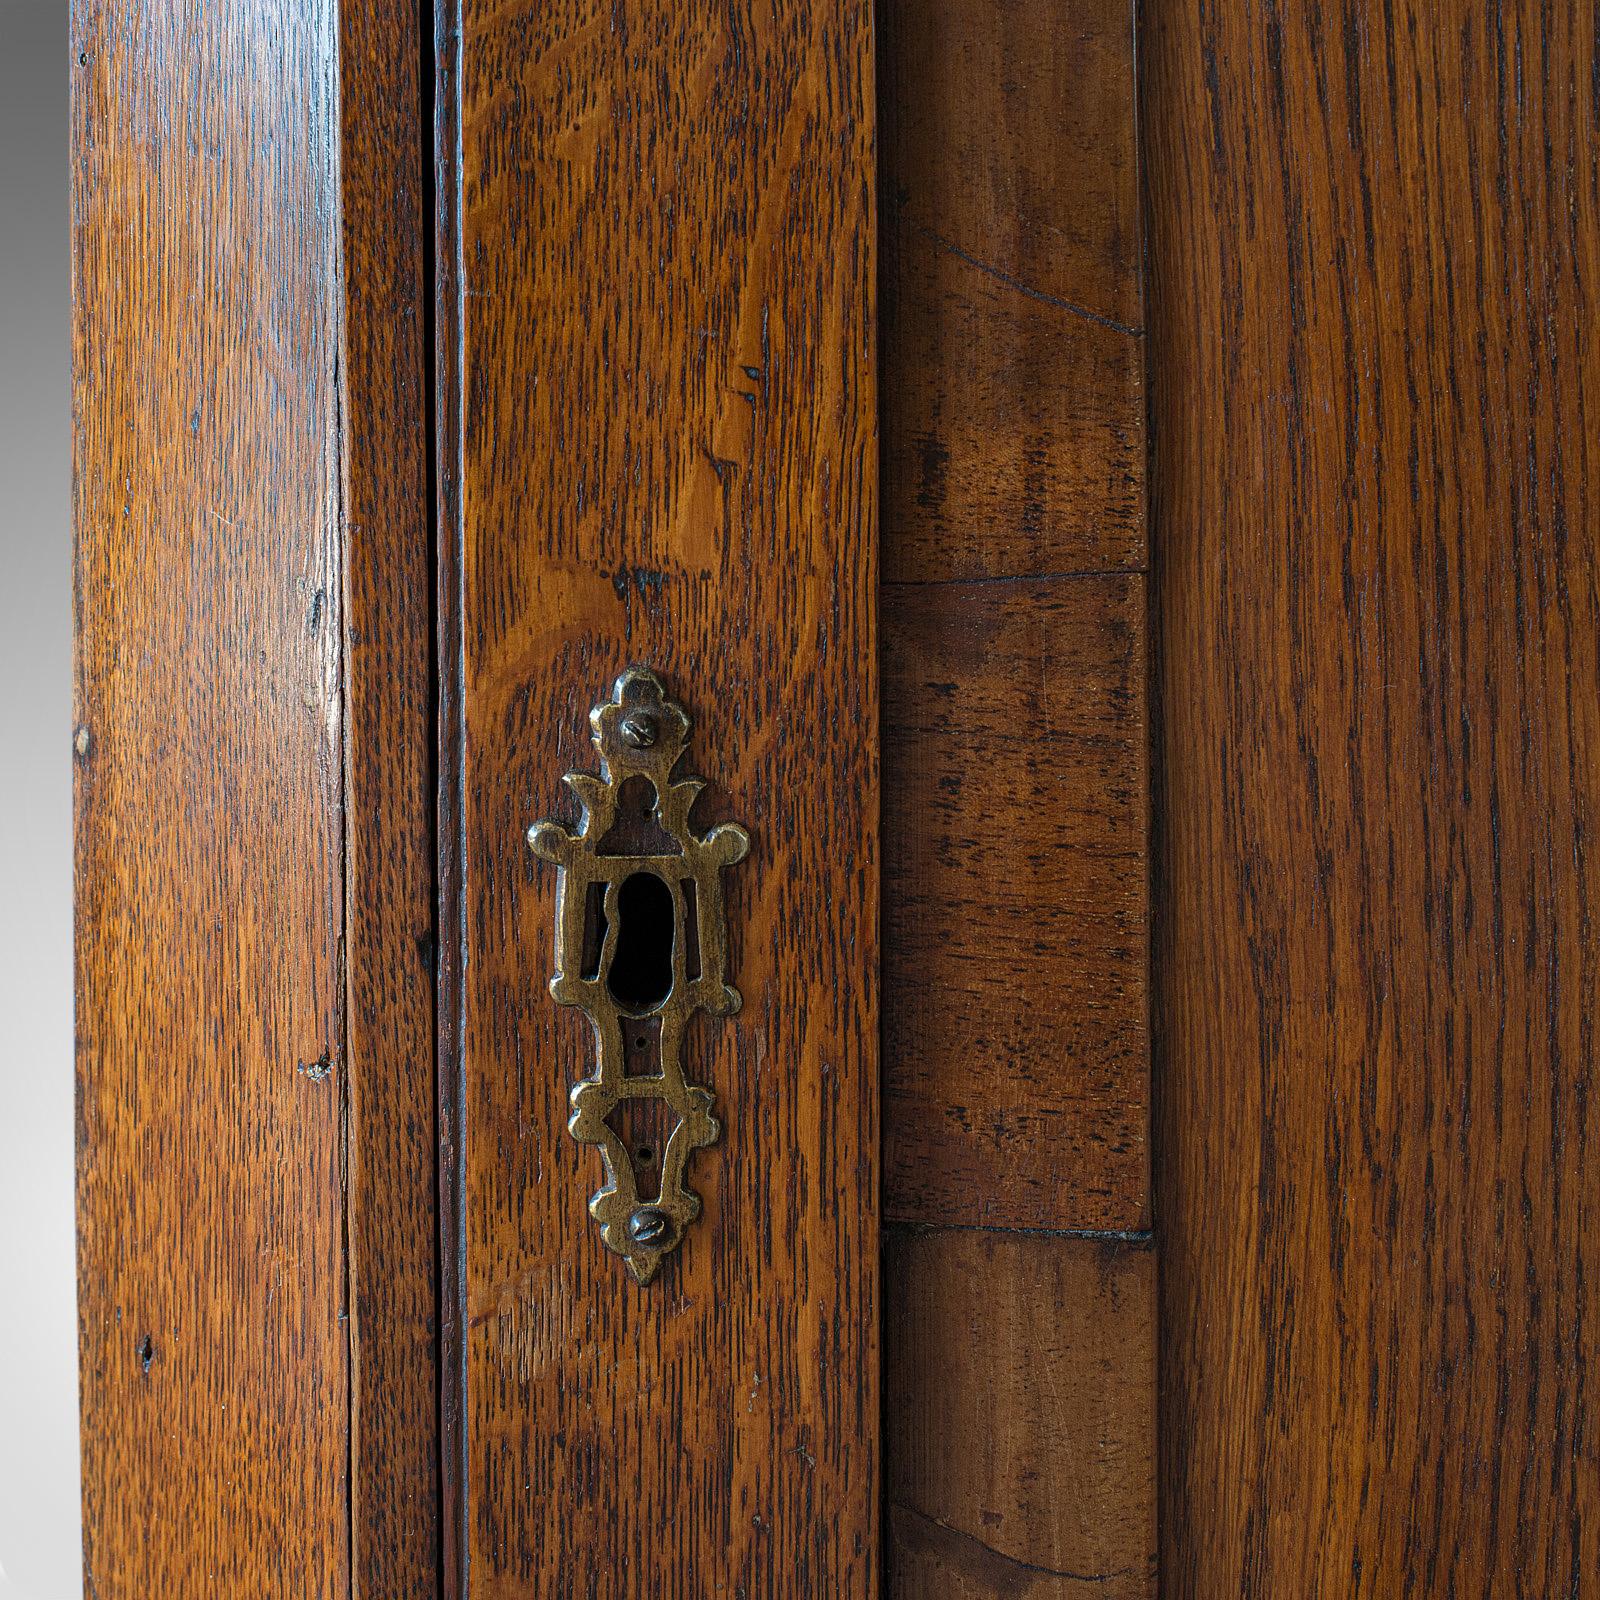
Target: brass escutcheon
[(641, 944)]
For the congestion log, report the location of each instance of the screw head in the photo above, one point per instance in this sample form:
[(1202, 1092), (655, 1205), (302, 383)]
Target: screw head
[(650, 1227), (639, 730)]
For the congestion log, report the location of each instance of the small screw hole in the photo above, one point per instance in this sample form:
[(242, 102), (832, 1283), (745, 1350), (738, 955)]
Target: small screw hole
[(646, 1153)]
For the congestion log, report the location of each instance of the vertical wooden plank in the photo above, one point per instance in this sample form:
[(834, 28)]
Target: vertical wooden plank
[(208, 803), (1032, 1477), (1013, 433), (1015, 957), (1375, 237), (1018, 1352), (389, 904), (662, 302), (1015, 933)]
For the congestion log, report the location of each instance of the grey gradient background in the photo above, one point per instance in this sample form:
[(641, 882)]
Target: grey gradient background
[(39, 1522)]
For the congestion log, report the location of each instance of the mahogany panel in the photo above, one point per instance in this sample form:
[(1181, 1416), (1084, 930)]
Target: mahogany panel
[(389, 799), (661, 447), (1013, 409), (1015, 946), (1029, 1468), (208, 699), (1375, 245)]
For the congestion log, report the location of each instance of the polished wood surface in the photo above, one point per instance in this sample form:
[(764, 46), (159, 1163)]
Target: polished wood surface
[(1014, 926), (1013, 427), (1030, 1475), (1019, 1368), (1015, 945), (660, 446), (390, 937), (208, 697), (1375, 235)]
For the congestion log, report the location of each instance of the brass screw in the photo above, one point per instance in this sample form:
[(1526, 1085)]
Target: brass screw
[(650, 1227), (639, 730)]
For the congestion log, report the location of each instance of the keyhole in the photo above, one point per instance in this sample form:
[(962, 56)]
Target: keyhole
[(641, 965)]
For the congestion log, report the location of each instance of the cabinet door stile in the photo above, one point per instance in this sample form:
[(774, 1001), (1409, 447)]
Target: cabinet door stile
[(660, 289), (212, 1075)]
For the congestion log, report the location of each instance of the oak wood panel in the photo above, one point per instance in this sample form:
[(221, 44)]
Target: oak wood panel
[(1374, 247), (388, 834), (1019, 1365), (1015, 943), (1029, 1468), (1013, 410), (208, 799), (665, 452)]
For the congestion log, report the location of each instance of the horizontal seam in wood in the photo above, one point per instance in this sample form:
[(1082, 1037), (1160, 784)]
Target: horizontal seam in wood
[(1013, 578), (1138, 1236)]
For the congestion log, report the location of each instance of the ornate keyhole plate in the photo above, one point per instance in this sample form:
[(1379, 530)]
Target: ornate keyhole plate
[(641, 944)]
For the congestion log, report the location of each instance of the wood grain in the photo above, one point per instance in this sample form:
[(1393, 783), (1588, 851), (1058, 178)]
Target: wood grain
[(208, 801), (388, 834), (665, 452), (1013, 409), (1019, 1365), (1028, 1471), (1375, 241), (1016, 1065), (1015, 952)]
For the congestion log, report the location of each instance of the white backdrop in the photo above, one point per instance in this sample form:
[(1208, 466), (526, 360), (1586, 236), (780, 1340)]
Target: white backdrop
[(39, 1520)]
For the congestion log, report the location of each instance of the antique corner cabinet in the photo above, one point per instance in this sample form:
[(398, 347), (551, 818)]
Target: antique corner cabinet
[(613, 816)]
